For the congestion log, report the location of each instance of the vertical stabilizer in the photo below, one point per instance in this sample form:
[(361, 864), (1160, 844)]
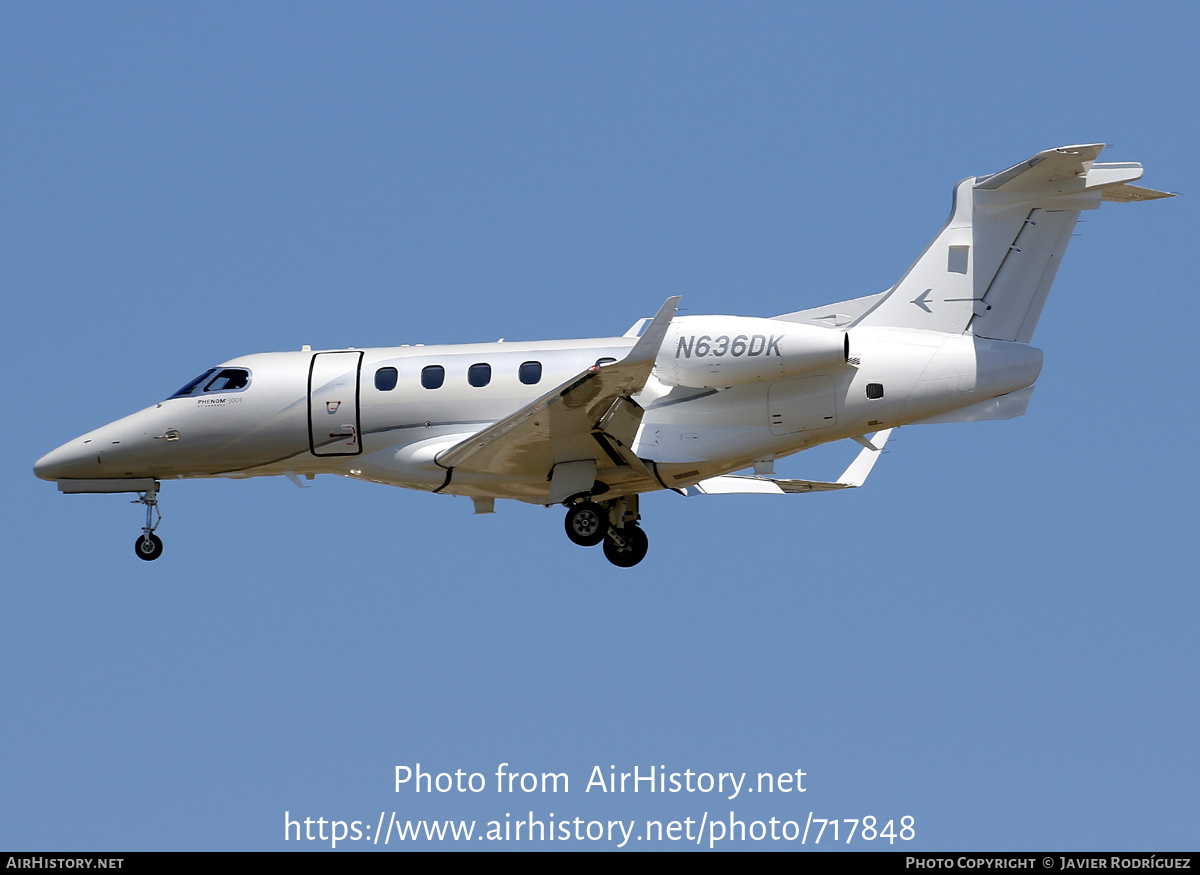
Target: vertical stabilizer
[(991, 267)]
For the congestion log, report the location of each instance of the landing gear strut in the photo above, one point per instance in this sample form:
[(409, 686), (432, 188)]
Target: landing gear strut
[(613, 523), (148, 545)]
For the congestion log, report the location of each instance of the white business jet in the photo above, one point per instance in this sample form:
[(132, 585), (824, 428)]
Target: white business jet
[(677, 402)]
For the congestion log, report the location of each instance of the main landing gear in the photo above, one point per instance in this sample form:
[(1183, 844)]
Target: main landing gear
[(148, 546), (613, 523), (587, 523), (626, 547)]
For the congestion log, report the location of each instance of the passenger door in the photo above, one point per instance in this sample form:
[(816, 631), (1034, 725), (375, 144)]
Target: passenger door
[(333, 424)]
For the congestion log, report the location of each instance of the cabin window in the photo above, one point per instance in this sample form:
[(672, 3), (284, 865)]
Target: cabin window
[(385, 379), (530, 373), (479, 375), (874, 390), (432, 376)]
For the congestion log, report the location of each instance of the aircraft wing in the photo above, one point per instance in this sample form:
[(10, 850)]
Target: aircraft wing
[(854, 476), (586, 425)]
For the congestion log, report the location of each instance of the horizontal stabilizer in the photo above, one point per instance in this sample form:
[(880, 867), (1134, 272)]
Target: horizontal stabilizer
[(852, 477), (1126, 193), (989, 271), (1044, 168)]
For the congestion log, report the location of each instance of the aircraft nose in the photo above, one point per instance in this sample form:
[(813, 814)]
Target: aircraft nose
[(84, 457), (68, 461)]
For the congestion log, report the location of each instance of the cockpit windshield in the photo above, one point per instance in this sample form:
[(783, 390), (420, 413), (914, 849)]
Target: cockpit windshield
[(216, 380), (229, 380), (191, 387)]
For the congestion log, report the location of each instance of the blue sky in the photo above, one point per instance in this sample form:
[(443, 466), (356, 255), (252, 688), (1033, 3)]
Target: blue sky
[(996, 636)]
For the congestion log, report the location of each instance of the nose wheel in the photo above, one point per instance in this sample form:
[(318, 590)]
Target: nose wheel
[(148, 545)]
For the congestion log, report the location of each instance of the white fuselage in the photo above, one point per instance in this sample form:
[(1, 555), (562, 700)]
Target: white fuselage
[(311, 412)]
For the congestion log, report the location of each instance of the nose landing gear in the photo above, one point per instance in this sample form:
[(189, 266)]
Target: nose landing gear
[(148, 545), (613, 523)]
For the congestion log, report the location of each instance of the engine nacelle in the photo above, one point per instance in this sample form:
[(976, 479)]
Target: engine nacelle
[(714, 352)]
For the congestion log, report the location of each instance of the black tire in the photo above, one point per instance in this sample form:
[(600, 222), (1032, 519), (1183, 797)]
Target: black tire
[(634, 551), (586, 523), (148, 549)]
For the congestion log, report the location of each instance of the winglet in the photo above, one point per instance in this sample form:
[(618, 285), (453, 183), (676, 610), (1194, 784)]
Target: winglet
[(646, 349), (856, 474), (853, 476)]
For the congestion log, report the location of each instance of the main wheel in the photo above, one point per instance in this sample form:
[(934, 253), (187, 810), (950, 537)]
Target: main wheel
[(634, 551), (587, 523), (148, 547)]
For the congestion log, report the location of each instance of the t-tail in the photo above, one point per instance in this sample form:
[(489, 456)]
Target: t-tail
[(989, 270)]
